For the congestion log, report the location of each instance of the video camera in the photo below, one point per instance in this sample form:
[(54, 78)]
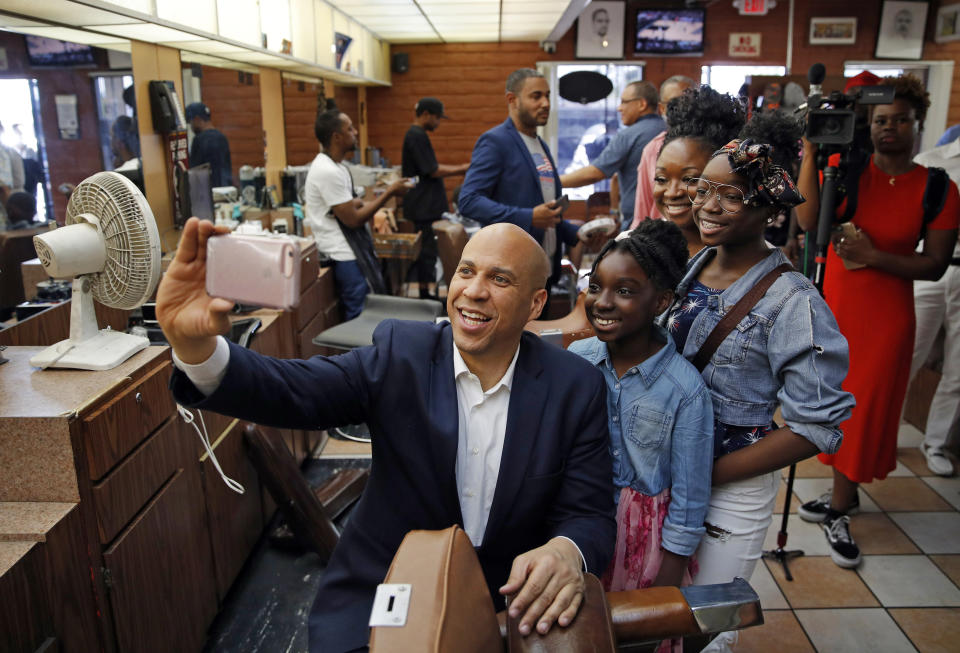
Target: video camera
[(835, 122), (836, 125)]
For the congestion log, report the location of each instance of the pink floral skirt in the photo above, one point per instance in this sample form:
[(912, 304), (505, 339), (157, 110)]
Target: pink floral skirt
[(638, 555)]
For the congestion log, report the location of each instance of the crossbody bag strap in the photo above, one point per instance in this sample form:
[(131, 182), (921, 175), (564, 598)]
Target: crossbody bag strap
[(739, 311)]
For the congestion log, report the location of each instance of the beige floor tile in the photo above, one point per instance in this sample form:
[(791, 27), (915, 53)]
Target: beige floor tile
[(876, 534), (933, 532), (806, 536), (818, 583), (905, 494), (932, 630), (908, 581), (862, 630), (812, 468), (771, 598), (913, 460), (948, 488), (909, 435), (780, 632), (901, 470), (950, 565)]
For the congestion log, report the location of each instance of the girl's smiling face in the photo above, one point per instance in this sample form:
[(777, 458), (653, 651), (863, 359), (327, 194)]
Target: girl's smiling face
[(621, 300), (722, 225), (680, 161)]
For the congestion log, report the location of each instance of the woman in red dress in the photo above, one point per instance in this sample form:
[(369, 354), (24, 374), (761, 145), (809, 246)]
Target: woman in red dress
[(874, 304)]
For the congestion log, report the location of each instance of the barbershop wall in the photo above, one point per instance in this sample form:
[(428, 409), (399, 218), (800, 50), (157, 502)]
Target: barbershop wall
[(300, 103), (70, 161), (234, 101)]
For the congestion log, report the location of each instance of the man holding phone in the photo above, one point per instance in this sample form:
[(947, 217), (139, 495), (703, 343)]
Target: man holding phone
[(474, 422), (512, 176)]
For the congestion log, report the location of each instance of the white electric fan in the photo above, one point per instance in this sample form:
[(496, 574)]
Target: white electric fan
[(111, 247)]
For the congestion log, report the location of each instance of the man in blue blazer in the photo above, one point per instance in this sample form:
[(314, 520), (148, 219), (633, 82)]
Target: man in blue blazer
[(512, 176), (475, 422)]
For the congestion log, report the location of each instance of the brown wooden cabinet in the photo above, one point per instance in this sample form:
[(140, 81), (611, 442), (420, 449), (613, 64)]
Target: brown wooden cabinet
[(158, 571), (236, 520), (152, 538)]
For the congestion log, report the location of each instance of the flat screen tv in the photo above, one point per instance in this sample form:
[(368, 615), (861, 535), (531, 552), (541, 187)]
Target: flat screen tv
[(669, 31), (42, 51)]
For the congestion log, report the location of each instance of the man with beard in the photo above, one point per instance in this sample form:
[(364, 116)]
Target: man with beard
[(427, 200), (512, 176), (338, 219)]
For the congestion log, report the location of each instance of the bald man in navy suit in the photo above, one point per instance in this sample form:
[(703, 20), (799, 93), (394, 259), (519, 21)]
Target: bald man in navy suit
[(474, 422)]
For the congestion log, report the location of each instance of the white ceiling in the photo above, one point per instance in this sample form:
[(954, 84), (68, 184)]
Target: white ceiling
[(435, 21)]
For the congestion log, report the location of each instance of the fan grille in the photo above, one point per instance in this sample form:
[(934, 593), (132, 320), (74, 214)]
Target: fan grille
[(132, 264), (43, 253)]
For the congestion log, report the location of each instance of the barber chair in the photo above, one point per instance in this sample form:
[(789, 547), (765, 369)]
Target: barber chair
[(451, 239), (434, 599), (358, 332), (308, 512), (573, 326)]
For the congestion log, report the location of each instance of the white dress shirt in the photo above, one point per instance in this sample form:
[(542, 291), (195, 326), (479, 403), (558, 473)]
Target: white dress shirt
[(481, 432)]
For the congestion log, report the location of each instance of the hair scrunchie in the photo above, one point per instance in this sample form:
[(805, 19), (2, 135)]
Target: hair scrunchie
[(767, 183)]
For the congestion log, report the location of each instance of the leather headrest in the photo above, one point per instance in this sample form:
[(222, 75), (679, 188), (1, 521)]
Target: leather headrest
[(450, 607)]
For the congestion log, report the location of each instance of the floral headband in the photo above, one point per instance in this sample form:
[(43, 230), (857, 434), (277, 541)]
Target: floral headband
[(768, 184)]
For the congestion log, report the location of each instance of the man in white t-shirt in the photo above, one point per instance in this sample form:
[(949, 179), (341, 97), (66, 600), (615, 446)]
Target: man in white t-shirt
[(338, 219)]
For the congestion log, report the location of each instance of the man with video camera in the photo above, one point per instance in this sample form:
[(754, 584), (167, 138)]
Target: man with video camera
[(868, 282)]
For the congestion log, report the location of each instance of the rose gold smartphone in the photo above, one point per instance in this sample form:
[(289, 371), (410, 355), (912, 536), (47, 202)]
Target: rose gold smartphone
[(849, 231), (258, 270)]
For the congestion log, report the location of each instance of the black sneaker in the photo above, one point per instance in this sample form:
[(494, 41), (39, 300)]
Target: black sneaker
[(816, 510), (843, 550)]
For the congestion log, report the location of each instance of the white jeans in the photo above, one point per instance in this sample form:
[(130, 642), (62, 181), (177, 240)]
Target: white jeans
[(937, 303), (737, 522)]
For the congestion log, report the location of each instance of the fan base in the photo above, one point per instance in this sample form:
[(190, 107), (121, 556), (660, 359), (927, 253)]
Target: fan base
[(103, 351)]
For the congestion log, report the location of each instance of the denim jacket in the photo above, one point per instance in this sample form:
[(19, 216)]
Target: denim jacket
[(787, 351), (661, 435)]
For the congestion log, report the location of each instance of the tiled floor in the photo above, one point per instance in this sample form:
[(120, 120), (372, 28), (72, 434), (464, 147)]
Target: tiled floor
[(904, 597)]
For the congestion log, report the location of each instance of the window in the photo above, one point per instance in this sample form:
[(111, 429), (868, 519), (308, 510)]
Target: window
[(729, 79), (576, 132)]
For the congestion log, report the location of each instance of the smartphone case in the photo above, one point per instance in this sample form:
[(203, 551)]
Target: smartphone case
[(258, 270), (849, 230)]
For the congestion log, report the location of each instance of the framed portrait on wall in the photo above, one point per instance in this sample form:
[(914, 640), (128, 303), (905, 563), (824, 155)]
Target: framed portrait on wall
[(902, 24), (600, 31), (948, 24)]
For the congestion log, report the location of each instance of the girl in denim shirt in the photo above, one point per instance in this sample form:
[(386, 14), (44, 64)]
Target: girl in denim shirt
[(788, 351), (661, 421)]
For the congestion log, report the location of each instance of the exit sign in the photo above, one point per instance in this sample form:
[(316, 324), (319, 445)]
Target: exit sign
[(754, 7)]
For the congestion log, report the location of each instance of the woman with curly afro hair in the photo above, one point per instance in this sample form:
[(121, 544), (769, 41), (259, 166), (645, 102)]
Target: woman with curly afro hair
[(869, 286), (701, 122)]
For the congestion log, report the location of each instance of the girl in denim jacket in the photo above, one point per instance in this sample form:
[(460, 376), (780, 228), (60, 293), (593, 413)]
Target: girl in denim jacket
[(788, 351), (661, 421)]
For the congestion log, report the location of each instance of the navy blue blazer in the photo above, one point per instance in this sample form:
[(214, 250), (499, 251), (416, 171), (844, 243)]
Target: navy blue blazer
[(556, 475), (502, 184)]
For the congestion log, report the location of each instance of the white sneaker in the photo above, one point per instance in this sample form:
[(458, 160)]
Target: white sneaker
[(937, 460)]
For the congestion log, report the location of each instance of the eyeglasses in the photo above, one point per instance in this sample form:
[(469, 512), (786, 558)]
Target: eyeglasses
[(730, 198), (634, 99)]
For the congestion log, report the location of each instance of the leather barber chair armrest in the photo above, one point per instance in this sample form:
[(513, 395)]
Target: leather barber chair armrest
[(450, 608)]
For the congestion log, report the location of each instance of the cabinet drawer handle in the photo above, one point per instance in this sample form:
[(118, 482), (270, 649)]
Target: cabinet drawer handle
[(138, 397)]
